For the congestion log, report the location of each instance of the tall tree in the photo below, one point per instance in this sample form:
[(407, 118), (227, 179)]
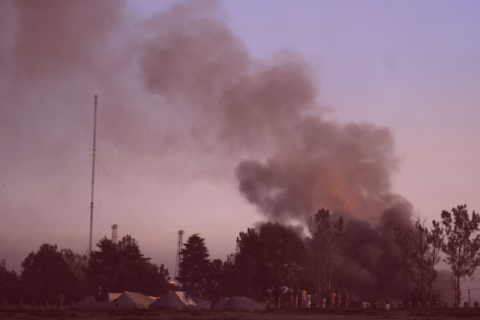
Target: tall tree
[(194, 266), (77, 262), (272, 255), (419, 253), (462, 243), (123, 267), (402, 240), (46, 272), (328, 242), (435, 240)]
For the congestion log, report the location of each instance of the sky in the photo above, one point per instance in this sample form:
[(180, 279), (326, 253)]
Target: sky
[(410, 66)]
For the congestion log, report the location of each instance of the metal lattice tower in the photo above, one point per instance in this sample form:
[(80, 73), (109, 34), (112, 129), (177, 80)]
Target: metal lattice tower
[(179, 253), (93, 174), (115, 233)]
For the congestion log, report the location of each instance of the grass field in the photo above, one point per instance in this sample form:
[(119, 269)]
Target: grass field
[(412, 314)]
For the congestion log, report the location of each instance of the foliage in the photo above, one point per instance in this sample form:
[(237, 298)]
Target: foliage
[(122, 267), (328, 244), (272, 255), (77, 262), (402, 240), (194, 266), (419, 249), (46, 272), (9, 285), (462, 243)]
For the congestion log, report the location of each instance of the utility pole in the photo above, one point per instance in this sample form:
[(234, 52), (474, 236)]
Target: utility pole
[(93, 174)]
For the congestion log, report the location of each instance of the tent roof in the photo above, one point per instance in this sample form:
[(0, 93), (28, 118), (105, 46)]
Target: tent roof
[(174, 299), (134, 299), (239, 303), (202, 303), (113, 296)]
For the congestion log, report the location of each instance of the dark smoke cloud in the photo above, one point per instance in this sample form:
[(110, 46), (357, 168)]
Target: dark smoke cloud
[(186, 82), (308, 160)]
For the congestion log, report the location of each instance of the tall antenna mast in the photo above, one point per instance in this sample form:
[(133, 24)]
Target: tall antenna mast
[(93, 174)]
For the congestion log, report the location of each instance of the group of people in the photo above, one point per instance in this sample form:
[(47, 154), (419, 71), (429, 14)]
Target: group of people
[(298, 297)]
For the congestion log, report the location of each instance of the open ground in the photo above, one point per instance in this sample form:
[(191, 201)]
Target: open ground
[(436, 314)]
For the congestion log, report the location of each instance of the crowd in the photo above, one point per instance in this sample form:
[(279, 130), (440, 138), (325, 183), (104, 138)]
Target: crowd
[(298, 297)]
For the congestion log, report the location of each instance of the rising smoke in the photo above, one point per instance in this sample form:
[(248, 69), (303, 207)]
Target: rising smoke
[(187, 60)]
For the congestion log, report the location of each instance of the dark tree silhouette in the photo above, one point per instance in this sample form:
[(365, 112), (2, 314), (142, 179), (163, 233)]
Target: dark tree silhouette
[(273, 255), (194, 266), (46, 273), (462, 244), (122, 266), (328, 242)]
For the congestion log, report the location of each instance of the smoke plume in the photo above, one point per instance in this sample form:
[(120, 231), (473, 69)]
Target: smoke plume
[(297, 159), (221, 102)]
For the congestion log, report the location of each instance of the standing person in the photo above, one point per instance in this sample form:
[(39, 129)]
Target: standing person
[(324, 300), (386, 305), (314, 301), (289, 298), (295, 296), (300, 297), (332, 298), (308, 300), (276, 298), (345, 299), (338, 299)]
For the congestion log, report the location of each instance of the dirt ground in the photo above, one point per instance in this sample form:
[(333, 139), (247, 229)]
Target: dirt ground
[(413, 314)]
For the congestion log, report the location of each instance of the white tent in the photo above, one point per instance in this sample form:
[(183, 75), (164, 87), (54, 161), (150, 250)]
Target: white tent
[(174, 299), (133, 300), (113, 296), (239, 303)]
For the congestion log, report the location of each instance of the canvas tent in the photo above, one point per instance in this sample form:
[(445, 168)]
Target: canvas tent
[(202, 303), (133, 300), (238, 303), (174, 300), (113, 296)]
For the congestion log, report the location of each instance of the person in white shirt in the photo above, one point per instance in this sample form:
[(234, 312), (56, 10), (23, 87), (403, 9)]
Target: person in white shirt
[(307, 304), (386, 305), (364, 305)]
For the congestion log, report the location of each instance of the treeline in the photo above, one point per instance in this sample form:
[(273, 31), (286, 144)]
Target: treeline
[(117, 267), (268, 256), (454, 239), (275, 255)]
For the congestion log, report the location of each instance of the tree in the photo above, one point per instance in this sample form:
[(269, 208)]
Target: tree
[(122, 266), (462, 243), (435, 240), (214, 279), (270, 256), (46, 272), (419, 253), (194, 266), (328, 244), (9, 285), (77, 262), (402, 240), (419, 250)]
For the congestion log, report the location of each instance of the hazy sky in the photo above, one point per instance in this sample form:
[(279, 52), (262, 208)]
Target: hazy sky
[(411, 66)]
